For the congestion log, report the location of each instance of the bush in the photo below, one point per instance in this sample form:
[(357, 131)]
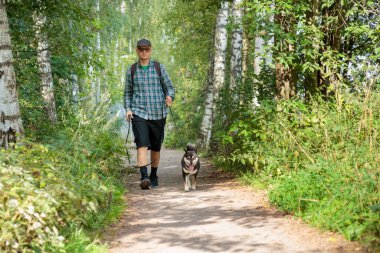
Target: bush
[(67, 183), (320, 160)]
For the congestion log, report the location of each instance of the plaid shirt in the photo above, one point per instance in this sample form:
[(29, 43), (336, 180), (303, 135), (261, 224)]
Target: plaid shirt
[(146, 98)]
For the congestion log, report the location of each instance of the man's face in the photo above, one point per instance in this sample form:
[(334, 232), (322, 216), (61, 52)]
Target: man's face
[(144, 52)]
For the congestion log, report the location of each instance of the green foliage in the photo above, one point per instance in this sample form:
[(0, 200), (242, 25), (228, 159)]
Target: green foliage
[(330, 45), (319, 160), (186, 113), (44, 185), (192, 47)]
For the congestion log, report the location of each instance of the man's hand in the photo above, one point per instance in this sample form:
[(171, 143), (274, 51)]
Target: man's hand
[(129, 115), (168, 101)]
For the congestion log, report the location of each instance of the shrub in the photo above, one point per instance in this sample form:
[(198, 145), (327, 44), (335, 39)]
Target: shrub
[(320, 159), (66, 183)]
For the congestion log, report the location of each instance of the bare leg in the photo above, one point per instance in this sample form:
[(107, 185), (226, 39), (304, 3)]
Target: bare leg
[(142, 156), (155, 158)]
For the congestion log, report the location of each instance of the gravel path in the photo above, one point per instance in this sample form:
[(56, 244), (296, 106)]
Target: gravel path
[(220, 216)]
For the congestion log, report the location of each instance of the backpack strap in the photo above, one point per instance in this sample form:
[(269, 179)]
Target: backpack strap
[(133, 71), (158, 70)]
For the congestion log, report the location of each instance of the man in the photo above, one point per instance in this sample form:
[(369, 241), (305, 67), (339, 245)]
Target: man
[(146, 98)]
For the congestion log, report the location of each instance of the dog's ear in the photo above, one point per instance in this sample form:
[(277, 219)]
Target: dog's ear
[(185, 150)]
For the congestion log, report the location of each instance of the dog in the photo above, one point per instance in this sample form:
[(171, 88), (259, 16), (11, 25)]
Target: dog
[(190, 167)]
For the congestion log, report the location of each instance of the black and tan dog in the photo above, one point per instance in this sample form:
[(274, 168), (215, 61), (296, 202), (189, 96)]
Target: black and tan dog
[(190, 167)]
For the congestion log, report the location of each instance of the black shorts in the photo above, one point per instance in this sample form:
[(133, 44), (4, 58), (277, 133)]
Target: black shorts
[(148, 133)]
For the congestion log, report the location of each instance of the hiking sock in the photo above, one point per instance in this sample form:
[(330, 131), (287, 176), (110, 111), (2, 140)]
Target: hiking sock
[(144, 172), (153, 171)]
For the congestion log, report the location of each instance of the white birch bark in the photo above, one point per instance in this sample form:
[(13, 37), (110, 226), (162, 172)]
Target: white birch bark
[(123, 7), (74, 77), (246, 45), (97, 92), (220, 49), (10, 119), (270, 41), (205, 132), (216, 76), (122, 76), (116, 58), (92, 76), (140, 27), (259, 53), (75, 88), (44, 67), (257, 63), (237, 45)]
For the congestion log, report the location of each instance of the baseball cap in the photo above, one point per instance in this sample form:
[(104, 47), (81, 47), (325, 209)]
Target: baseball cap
[(144, 42)]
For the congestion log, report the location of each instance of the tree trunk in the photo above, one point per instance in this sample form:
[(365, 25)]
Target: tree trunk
[(237, 45), (116, 58), (218, 66), (91, 74), (312, 79), (258, 60), (97, 92), (75, 89), (74, 77), (259, 53), (10, 119), (285, 76), (245, 60), (206, 125), (220, 49), (44, 67)]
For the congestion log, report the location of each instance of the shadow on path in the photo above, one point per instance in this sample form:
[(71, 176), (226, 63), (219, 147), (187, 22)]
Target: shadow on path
[(220, 216)]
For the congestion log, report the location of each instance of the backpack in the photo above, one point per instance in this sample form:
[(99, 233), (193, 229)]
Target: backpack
[(158, 71)]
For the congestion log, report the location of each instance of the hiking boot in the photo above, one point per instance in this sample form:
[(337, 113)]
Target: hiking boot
[(145, 183), (153, 180)]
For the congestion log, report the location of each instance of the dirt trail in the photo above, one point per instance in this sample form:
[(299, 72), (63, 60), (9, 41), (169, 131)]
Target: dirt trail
[(220, 216)]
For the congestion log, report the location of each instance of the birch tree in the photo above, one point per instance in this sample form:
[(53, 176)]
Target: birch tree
[(97, 91), (220, 49), (259, 52), (73, 76), (218, 73), (237, 45), (246, 46), (205, 133), (44, 67), (10, 119)]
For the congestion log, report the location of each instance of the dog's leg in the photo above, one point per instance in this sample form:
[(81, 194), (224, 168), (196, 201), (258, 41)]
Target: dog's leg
[(187, 182), (193, 183), (194, 187)]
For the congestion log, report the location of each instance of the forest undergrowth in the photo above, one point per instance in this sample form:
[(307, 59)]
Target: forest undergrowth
[(60, 189), (319, 161)]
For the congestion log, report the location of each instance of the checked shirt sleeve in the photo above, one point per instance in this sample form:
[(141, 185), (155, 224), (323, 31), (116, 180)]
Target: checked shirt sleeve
[(128, 91), (170, 90)]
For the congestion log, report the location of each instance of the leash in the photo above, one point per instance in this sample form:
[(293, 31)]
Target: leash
[(175, 125), (126, 140)]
